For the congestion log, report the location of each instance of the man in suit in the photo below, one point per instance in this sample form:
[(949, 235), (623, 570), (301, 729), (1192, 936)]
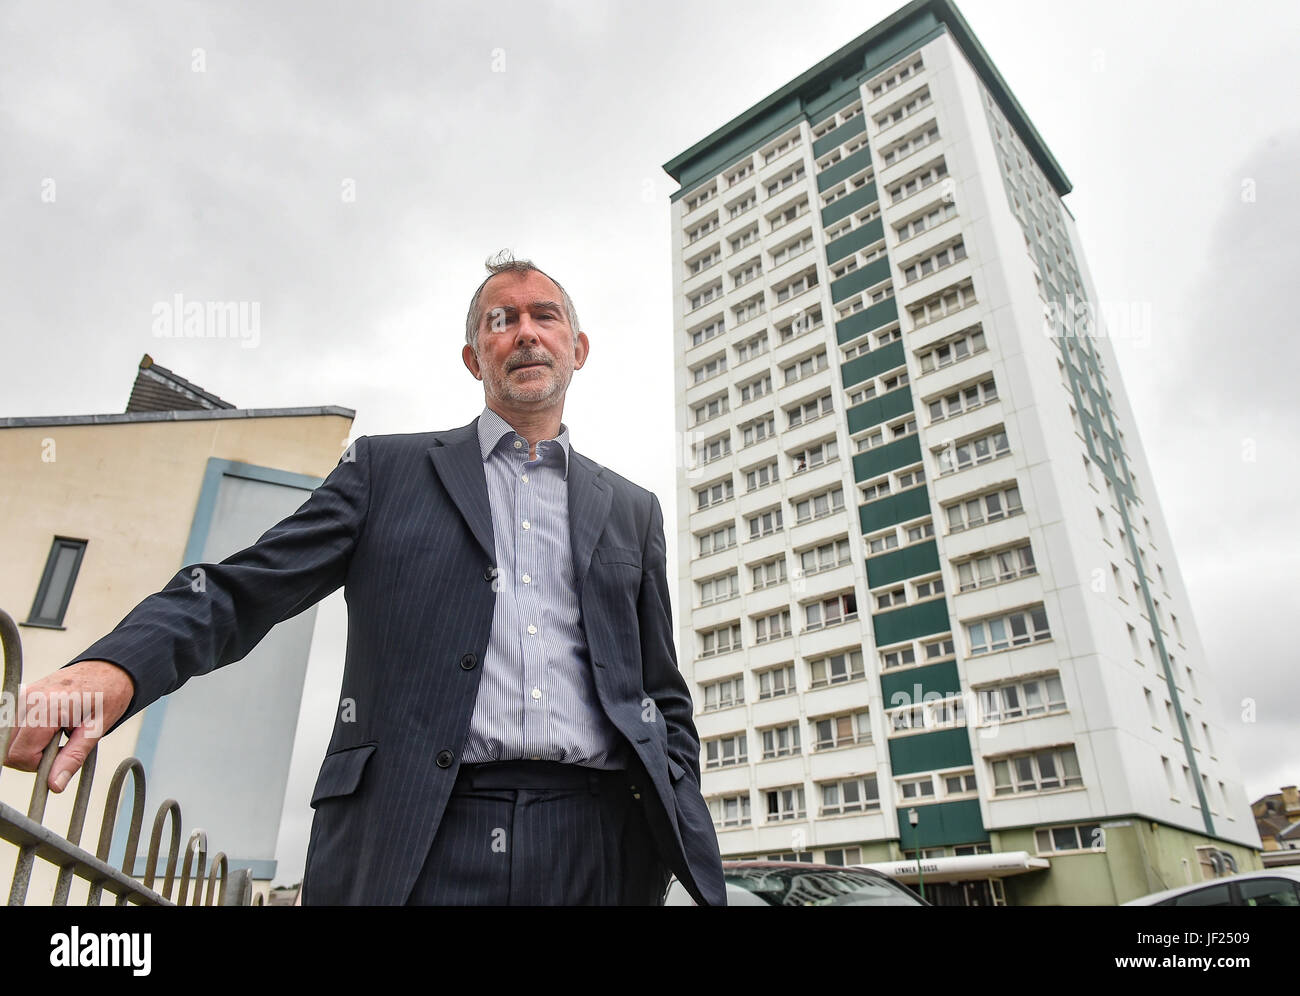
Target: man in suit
[(518, 730)]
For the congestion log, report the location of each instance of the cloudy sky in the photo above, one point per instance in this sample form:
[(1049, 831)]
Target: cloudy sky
[(349, 165)]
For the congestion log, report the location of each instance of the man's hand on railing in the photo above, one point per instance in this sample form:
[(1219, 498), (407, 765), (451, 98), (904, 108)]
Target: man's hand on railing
[(85, 699)]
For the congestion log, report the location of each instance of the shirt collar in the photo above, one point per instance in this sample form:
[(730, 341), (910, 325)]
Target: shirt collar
[(492, 428)]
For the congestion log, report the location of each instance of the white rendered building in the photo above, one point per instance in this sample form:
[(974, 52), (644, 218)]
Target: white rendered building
[(922, 564)]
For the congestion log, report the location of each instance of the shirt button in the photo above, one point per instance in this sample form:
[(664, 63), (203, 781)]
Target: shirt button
[(528, 578), (537, 693), (524, 478), (526, 524), (532, 630), (518, 444)]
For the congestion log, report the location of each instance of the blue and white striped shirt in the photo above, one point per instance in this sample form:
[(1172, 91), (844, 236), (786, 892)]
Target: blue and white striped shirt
[(537, 696)]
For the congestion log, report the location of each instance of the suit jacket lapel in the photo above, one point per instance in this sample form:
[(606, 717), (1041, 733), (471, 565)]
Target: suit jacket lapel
[(459, 463), (589, 500)]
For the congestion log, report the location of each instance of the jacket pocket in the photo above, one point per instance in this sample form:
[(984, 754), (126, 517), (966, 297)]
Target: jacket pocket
[(340, 773), (618, 555)]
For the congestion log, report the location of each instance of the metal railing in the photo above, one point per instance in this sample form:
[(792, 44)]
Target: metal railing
[(34, 840)]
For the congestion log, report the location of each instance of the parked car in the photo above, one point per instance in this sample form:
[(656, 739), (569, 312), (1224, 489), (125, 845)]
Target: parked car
[(1271, 887), (798, 883)]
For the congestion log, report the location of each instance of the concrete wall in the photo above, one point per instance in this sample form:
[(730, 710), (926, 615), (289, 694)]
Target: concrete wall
[(131, 489)]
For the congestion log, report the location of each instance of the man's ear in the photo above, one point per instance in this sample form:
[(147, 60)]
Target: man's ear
[(580, 350), (471, 361)]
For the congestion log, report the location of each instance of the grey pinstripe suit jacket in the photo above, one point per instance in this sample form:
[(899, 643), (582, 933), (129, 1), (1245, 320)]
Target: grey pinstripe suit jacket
[(404, 524)]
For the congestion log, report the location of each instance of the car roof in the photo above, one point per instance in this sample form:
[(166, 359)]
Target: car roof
[(734, 866), (1286, 871), (801, 865)]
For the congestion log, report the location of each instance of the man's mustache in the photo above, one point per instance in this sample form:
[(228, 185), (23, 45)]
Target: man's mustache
[(526, 359)]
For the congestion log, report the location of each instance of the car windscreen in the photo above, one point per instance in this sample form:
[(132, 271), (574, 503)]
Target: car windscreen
[(819, 887)]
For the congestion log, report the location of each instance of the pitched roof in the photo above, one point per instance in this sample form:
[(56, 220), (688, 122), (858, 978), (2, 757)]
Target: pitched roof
[(1272, 824), (157, 389)]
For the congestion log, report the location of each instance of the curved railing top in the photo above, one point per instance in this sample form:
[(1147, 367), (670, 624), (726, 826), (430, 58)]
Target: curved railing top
[(35, 840)]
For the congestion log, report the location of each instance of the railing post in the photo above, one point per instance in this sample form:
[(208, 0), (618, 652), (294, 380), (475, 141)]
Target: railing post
[(35, 840)]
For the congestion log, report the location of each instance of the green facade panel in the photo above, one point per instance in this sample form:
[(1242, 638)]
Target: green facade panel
[(910, 622), (881, 313), (863, 235), (838, 95), (847, 166), (870, 364), (860, 279), (898, 565), (918, 682), (929, 751), (834, 139), (880, 409), (762, 127), (942, 823), (883, 459), (890, 511), (847, 204)]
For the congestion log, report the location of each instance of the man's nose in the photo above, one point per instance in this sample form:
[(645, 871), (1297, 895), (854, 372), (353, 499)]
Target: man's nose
[(526, 330), (527, 333)]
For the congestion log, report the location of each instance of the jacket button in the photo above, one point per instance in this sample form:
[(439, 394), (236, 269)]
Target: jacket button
[(468, 662), (489, 573), (444, 758)]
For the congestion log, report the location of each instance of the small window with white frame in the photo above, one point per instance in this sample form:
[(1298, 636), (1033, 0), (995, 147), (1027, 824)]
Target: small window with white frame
[(964, 344), (773, 682), (805, 320), (918, 139), (1045, 770), (995, 566), (1024, 698), (768, 572), (702, 333), (724, 694), (741, 204), (720, 640), (849, 795), (958, 784), (723, 752), (895, 75), (719, 588), (836, 668), (701, 196), (1007, 630), (780, 741), (780, 147), (1073, 838), (988, 506), (714, 493), (972, 450)]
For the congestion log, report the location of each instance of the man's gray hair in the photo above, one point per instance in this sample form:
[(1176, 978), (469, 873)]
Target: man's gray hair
[(505, 262)]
